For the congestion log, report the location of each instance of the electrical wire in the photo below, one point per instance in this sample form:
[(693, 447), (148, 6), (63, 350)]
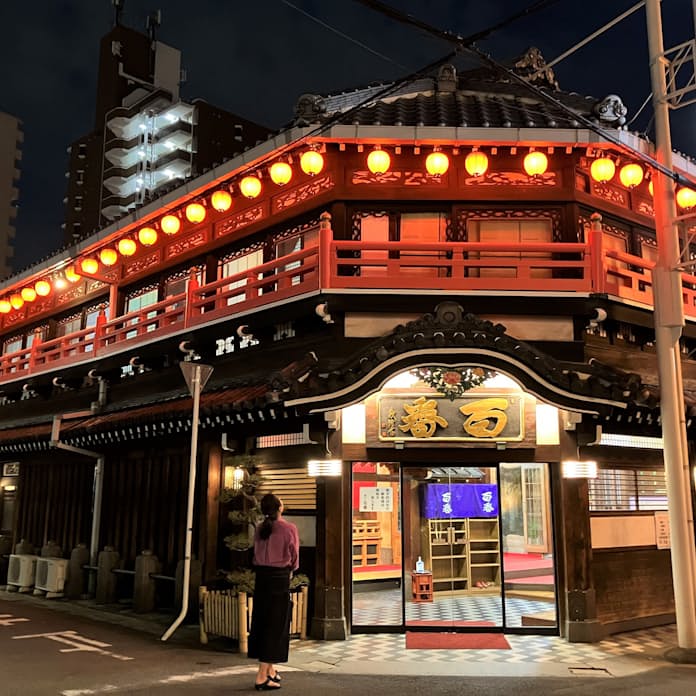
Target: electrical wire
[(343, 35), (468, 46), (392, 87)]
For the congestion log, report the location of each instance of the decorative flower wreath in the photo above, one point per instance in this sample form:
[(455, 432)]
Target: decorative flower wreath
[(450, 382)]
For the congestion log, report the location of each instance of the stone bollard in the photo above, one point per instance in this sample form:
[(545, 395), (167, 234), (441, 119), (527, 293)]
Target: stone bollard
[(51, 550), (144, 587), (5, 545), (5, 549), (75, 582), (25, 547), (194, 586), (107, 560)]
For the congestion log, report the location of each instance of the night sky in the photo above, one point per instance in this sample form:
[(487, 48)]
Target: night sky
[(256, 58)]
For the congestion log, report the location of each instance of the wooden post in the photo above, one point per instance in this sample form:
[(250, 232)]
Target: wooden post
[(581, 624), (191, 288), (244, 619), (329, 622), (325, 251), (596, 245)]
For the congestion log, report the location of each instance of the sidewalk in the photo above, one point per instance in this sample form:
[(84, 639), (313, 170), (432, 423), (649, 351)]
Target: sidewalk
[(374, 654)]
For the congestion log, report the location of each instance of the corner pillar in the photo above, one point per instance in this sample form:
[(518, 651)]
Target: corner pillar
[(329, 621)]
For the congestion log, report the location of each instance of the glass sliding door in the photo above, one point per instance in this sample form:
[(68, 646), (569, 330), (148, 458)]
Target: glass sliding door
[(452, 563), (528, 561), (376, 545)]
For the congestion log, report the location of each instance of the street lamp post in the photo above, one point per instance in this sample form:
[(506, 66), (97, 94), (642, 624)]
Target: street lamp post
[(669, 319)]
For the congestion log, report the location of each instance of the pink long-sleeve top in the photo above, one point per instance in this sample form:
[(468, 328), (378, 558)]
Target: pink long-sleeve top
[(281, 549)]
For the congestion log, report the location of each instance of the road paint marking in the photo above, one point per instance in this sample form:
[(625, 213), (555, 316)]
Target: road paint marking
[(10, 620), (172, 679), (77, 642)]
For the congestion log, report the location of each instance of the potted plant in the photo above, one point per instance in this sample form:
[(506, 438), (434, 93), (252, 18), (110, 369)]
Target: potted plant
[(226, 606)]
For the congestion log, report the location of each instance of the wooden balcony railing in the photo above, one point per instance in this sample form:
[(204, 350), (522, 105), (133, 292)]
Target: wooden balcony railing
[(353, 265)]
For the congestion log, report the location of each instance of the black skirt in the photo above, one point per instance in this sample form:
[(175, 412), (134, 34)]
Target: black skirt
[(269, 636)]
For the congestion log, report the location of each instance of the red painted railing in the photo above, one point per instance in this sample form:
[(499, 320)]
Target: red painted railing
[(371, 266)]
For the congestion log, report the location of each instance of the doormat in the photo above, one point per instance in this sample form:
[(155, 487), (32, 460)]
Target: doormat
[(456, 641), (444, 623)]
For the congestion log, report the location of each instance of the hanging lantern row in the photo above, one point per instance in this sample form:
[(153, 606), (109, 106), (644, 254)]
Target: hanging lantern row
[(603, 169), (250, 186), (476, 162)]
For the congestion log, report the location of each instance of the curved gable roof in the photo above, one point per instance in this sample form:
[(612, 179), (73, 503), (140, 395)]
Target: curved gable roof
[(451, 337)]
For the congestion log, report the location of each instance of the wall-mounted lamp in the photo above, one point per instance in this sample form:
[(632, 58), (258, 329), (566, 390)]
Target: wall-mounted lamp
[(10, 489), (324, 467), (573, 469), (234, 477)]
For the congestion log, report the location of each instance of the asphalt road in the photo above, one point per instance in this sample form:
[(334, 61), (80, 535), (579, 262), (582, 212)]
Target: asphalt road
[(47, 652)]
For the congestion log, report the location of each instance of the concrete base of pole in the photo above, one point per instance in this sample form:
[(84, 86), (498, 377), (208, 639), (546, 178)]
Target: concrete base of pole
[(681, 656), (590, 631)]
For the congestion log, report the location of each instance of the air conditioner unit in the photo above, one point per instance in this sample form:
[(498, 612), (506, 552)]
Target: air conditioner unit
[(51, 574), (21, 570)]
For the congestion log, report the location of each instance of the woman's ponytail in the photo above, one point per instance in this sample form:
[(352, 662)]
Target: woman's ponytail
[(270, 507)]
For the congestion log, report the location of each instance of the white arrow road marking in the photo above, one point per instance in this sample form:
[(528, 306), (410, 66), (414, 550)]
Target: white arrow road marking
[(77, 642), (10, 620)]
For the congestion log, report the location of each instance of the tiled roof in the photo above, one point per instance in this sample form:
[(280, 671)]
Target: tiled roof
[(481, 98), (236, 400)]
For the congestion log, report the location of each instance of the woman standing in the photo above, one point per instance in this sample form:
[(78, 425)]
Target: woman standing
[(276, 557)]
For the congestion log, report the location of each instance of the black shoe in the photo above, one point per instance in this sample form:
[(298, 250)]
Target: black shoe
[(276, 677), (266, 686)]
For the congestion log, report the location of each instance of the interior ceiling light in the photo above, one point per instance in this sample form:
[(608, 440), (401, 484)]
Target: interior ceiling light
[(437, 163), (631, 175), (221, 201), (536, 163), (170, 224), (602, 170), (195, 212), (311, 162), (476, 163), (250, 186), (378, 161), (281, 173), (43, 288), (126, 246), (108, 256), (147, 236)]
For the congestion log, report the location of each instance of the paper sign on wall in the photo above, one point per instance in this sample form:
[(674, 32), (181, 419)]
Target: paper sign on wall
[(376, 499), (662, 530)]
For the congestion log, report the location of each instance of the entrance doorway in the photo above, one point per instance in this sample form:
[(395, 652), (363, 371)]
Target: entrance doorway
[(453, 547)]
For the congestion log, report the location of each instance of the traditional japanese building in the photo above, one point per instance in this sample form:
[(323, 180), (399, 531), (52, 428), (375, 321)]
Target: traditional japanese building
[(439, 294)]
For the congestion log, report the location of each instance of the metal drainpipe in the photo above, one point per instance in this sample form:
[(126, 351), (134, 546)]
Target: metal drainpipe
[(98, 482)]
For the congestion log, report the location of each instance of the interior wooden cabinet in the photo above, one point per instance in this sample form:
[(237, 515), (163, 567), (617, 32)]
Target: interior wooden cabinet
[(463, 554)]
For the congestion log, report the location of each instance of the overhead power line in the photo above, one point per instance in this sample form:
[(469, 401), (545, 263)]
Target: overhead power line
[(466, 45)]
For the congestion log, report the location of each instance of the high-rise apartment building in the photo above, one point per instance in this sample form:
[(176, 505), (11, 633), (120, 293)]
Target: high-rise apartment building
[(11, 138), (145, 137)]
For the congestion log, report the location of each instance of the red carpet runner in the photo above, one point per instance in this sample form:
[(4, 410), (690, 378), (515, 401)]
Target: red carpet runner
[(456, 641)]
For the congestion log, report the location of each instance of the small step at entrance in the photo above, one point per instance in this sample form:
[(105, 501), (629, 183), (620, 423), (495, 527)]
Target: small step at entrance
[(543, 618)]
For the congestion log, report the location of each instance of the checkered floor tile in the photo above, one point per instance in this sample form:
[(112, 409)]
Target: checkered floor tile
[(525, 649), (383, 608)]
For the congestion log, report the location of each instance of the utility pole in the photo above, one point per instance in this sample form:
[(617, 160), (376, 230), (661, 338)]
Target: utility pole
[(669, 320)]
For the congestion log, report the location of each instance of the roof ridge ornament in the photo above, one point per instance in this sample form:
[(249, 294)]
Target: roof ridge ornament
[(310, 108), (532, 67), (447, 78)]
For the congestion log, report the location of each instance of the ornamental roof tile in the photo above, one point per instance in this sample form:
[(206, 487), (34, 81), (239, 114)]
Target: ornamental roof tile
[(480, 98)]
